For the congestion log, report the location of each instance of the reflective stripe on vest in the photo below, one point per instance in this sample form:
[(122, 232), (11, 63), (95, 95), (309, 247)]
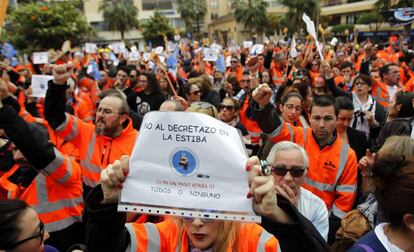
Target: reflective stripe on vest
[(379, 98), (133, 245), (264, 237), (343, 156), (154, 240), (74, 131), (276, 132), (338, 212), (54, 165), (290, 131), (89, 182), (87, 164), (44, 206)]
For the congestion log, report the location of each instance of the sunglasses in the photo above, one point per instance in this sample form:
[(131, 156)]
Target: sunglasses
[(40, 234), (228, 107), (281, 170)]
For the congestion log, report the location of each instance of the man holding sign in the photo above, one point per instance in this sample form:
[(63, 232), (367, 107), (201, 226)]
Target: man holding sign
[(152, 182)]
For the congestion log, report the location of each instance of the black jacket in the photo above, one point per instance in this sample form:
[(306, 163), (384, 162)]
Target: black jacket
[(399, 126), (105, 230)]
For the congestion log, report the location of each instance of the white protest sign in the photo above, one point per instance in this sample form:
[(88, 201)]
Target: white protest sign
[(256, 49), (134, 49), (117, 47), (228, 61), (162, 59), (39, 85), (188, 164), (159, 50), (210, 54), (293, 52), (40, 58), (310, 27), (216, 47), (146, 56), (90, 48), (247, 44), (134, 56), (334, 41)]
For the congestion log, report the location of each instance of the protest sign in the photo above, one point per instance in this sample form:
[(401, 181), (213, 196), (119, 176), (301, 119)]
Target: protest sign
[(39, 85), (117, 47), (256, 49), (210, 54), (197, 169), (293, 52), (90, 48), (159, 50), (40, 58), (216, 47), (247, 44), (134, 56), (310, 27)]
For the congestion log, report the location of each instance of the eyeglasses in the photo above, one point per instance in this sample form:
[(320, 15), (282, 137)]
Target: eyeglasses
[(233, 61), (281, 170), (358, 84), (40, 234), (196, 92), (228, 107), (107, 111)]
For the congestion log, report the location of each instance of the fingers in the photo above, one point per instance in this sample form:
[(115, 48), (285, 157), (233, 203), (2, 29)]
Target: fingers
[(125, 164), (253, 165), (115, 174), (368, 153), (261, 185), (286, 192), (262, 94)]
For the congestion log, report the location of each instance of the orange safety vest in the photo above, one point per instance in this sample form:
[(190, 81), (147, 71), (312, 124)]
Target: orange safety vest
[(332, 172), (380, 94), (251, 125), (55, 193), (239, 72), (276, 74), (82, 109), (166, 236), (96, 151)]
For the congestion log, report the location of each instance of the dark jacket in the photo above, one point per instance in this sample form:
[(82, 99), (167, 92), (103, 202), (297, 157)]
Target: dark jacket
[(358, 142), (399, 126), (105, 230)]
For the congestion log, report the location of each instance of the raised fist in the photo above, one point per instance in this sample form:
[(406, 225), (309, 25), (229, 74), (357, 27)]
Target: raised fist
[(61, 73)]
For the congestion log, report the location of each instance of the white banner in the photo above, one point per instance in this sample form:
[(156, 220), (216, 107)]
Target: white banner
[(91, 48), (247, 44), (210, 54), (134, 56), (39, 85), (188, 164), (40, 58)]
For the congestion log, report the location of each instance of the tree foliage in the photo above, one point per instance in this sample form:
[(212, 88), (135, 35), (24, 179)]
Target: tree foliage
[(296, 10), (341, 28), (191, 11), (373, 19), (119, 15), (156, 28), (36, 27), (252, 14)]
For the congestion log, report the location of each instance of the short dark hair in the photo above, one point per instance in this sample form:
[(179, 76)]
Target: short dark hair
[(123, 68), (11, 210), (325, 101), (344, 103), (347, 64), (385, 69), (365, 78), (406, 100)]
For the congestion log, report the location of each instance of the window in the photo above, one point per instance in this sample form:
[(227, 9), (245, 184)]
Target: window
[(157, 4), (350, 19)]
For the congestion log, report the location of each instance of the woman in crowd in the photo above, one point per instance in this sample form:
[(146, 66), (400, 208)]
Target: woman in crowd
[(107, 230), (150, 97), (21, 229), (290, 108), (192, 93), (369, 115), (394, 191), (229, 114)]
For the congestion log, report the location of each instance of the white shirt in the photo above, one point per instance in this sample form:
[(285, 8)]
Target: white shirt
[(392, 90), (314, 209), (379, 232), (363, 107)]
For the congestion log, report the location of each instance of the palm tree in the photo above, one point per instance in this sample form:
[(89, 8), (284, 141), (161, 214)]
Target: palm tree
[(251, 14), (190, 11), (119, 15), (156, 28), (296, 10)]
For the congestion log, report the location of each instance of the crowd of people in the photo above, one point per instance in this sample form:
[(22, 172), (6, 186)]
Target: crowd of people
[(336, 132)]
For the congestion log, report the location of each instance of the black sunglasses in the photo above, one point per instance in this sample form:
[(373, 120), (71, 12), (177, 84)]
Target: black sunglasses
[(40, 234), (228, 107), (281, 170)]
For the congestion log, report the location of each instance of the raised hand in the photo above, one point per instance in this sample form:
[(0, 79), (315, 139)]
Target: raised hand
[(262, 94), (61, 73), (112, 179)]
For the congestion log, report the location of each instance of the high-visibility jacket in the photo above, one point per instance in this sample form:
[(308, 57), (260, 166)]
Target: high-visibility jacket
[(166, 236), (238, 72), (380, 94), (276, 74), (95, 151), (55, 193), (332, 172), (251, 125), (82, 109)]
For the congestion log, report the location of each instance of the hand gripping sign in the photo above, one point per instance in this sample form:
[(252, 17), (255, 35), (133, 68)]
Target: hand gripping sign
[(188, 165)]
